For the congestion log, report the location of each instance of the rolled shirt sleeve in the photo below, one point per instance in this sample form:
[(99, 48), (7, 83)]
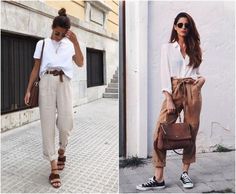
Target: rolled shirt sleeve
[(38, 48), (165, 70), (198, 72)]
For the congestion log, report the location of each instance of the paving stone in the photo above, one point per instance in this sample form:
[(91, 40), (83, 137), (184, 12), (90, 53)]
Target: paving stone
[(137, 179), (199, 187), (128, 188), (221, 185), (171, 188), (92, 154)]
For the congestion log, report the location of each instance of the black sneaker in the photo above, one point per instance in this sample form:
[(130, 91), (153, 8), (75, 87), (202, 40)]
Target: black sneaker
[(186, 181), (151, 184)]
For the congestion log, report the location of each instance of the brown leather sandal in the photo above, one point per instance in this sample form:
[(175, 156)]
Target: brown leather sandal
[(54, 176), (62, 160)]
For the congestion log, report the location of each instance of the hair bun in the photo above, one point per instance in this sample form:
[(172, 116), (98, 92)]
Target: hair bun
[(62, 12)]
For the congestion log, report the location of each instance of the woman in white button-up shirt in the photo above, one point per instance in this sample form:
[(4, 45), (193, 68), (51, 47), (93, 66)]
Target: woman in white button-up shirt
[(60, 52), (181, 84)]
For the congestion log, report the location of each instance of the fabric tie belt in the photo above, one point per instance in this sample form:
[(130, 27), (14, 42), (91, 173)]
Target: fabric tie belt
[(181, 87), (55, 73)]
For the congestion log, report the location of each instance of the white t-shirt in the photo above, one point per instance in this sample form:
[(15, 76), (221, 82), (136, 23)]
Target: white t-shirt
[(173, 64), (56, 55)]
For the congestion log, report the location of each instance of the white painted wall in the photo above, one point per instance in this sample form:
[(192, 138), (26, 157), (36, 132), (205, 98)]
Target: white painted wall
[(215, 22), (136, 78)]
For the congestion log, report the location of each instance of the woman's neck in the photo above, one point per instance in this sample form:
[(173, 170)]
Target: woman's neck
[(181, 41)]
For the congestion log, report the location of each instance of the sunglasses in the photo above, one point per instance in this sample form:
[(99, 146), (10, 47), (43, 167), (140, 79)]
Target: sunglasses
[(183, 25), (59, 34)]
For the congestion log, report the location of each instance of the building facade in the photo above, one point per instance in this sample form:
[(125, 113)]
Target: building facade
[(25, 22)]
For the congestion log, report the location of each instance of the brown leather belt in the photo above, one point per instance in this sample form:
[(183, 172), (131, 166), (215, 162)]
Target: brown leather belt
[(55, 73)]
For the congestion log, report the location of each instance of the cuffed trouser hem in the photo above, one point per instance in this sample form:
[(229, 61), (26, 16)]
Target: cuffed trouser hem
[(158, 164), (189, 161), (50, 158)]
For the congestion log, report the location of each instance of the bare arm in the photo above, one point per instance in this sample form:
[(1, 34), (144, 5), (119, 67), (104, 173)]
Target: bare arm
[(78, 57), (169, 103), (33, 77), (200, 80)]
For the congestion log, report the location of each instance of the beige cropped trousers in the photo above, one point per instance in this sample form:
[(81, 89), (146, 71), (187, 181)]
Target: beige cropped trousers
[(186, 97), (55, 106)]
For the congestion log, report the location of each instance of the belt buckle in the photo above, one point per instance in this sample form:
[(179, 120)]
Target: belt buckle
[(49, 71)]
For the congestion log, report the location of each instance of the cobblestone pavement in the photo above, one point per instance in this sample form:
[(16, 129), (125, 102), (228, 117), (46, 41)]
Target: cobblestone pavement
[(212, 172), (92, 154)]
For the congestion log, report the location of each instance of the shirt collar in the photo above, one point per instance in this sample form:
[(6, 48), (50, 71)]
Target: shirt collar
[(175, 44), (64, 39)]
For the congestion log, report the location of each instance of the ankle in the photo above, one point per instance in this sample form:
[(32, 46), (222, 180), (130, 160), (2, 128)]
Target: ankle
[(159, 173), (159, 179), (54, 170), (53, 165), (61, 152)]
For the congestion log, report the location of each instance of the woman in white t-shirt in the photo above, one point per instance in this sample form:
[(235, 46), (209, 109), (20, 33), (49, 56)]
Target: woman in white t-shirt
[(181, 84), (55, 90)]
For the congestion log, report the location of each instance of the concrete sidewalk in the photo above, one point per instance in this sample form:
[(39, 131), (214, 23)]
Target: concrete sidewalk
[(212, 172), (92, 154)]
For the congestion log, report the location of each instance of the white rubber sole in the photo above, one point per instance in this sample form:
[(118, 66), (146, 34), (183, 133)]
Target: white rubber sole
[(148, 188), (187, 186)]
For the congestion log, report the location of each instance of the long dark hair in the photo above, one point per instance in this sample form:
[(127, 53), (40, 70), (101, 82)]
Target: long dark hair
[(192, 40), (62, 20)]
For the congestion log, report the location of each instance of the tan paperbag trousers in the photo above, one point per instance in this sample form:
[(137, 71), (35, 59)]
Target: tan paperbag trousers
[(187, 97), (55, 105)]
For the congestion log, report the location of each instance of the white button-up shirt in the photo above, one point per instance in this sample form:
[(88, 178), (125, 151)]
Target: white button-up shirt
[(173, 64), (56, 55)]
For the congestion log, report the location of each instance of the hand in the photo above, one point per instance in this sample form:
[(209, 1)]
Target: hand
[(71, 36), (170, 106), (27, 97), (200, 81)]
